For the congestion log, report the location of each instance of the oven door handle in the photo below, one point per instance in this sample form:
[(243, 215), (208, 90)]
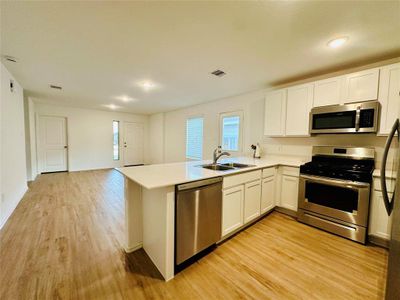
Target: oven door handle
[(336, 182)]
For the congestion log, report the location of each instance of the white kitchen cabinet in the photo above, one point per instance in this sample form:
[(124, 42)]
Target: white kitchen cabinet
[(328, 91), (289, 192), (267, 194), (275, 113), (232, 209), (252, 200), (361, 86), (389, 96), (380, 223), (298, 106)]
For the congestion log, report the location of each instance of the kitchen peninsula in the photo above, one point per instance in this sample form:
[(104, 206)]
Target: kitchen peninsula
[(150, 199)]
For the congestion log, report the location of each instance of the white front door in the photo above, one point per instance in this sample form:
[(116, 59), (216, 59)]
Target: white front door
[(52, 144), (133, 144)]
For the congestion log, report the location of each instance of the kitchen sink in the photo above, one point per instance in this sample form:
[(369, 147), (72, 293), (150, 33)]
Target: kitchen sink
[(217, 167), (225, 166), (236, 165)]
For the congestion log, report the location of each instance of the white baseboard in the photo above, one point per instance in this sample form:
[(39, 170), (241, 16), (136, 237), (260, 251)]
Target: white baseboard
[(4, 218), (133, 249)]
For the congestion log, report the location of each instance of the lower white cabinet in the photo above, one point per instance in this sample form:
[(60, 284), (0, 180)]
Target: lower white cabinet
[(232, 209), (380, 223), (252, 198), (289, 192), (267, 194)]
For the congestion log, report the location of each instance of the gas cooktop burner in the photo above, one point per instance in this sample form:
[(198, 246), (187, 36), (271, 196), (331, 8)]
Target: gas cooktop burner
[(346, 168)]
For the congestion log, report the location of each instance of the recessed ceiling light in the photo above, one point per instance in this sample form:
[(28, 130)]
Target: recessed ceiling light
[(56, 87), (10, 58), (124, 98), (336, 43), (147, 85), (111, 106)]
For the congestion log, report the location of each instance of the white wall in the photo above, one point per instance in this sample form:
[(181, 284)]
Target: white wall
[(252, 105), (90, 136), (13, 177), (30, 139), (156, 138)]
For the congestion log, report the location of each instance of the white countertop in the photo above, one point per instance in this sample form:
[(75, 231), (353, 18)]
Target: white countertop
[(162, 175)]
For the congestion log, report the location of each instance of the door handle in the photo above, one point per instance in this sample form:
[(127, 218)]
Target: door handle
[(385, 195), (358, 113), (65, 147)]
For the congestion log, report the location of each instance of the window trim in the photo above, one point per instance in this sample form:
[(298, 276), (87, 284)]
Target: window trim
[(240, 114), (119, 140), (202, 137)]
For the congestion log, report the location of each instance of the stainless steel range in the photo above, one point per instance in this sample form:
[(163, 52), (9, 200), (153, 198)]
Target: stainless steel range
[(334, 190)]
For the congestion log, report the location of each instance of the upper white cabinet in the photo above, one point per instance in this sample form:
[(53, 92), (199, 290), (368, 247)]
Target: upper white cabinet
[(361, 86), (287, 110), (275, 113), (298, 106), (252, 198), (328, 91), (389, 96)]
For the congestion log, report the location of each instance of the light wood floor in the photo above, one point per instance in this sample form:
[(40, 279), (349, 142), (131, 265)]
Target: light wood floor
[(64, 242)]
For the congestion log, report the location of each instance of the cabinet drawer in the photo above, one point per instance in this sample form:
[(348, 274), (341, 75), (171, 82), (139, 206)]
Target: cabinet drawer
[(291, 171), (268, 172), (241, 178), (390, 185)]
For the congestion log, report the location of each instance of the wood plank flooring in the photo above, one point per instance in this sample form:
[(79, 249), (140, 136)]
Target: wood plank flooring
[(64, 242)]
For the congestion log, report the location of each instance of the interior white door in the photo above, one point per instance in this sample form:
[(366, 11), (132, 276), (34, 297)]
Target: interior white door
[(52, 144), (133, 144)]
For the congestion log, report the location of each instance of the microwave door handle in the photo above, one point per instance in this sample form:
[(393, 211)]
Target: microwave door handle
[(385, 196), (358, 113)]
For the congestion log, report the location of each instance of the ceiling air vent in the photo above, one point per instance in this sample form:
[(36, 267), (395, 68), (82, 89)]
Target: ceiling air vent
[(218, 73), (56, 87)]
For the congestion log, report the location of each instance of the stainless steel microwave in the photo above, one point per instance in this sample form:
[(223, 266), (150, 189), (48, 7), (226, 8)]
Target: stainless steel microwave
[(349, 118)]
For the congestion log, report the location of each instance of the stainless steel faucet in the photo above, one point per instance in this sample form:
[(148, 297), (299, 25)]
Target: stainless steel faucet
[(218, 153)]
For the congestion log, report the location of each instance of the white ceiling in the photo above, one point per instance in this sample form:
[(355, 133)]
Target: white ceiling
[(99, 50)]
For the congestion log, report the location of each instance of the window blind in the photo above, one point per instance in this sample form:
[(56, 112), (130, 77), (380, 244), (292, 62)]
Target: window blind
[(194, 138)]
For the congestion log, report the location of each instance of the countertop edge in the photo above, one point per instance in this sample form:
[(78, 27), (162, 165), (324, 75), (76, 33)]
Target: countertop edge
[(219, 174)]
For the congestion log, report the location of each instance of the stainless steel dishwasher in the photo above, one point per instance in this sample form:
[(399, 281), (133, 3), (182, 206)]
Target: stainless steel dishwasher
[(198, 213)]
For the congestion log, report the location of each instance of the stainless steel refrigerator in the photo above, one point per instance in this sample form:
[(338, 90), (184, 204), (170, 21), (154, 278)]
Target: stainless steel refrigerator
[(390, 163)]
